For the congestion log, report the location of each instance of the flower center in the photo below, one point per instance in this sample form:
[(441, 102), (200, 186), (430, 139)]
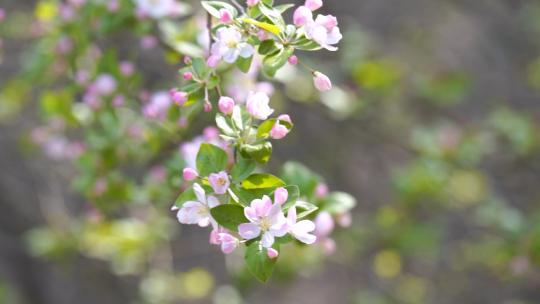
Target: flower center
[(265, 224), (221, 181), (232, 44)]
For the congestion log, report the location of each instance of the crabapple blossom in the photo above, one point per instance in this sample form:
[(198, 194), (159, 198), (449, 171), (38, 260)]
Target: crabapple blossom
[(179, 97), (293, 60), (280, 195), (225, 16), (189, 174), (321, 190), (228, 242), (321, 81), (187, 75), (219, 182), (324, 224), (158, 106), (302, 16), (127, 68), (285, 117), (198, 212), (300, 230), (266, 219), (257, 105), (226, 105), (105, 84), (272, 253), (278, 131), (313, 4), (229, 45), (252, 2), (324, 31), (156, 9)]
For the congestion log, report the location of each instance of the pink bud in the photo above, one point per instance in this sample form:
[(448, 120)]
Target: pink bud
[(272, 253), (187, 75), (321, 190), (118, 101), (127, 68), (322, 82), (302, 15), (313, 4), (180, 97), (251, 3), (207, 106), (293, 60), (278, 131), (285, 117), (280, 195), (189, 174), (212, 61), (226, 105), (324, 224), (225, 16)]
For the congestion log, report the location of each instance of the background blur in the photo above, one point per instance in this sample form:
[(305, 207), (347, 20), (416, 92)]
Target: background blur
[(434, 129)]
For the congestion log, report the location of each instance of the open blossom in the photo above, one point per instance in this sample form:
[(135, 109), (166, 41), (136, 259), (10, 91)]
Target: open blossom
[(324, 31), (229, 45), (266, 219), (302, 16), (158, 106), (219, 182), (198, 212), (300, 230), (313, 4), (321, 82), (228, 242), (258, 105)]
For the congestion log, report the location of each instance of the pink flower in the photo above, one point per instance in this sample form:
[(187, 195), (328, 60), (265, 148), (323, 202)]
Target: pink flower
[(278, 131), (225, 16), (212, 61), (105, 84), (280, 195), (219, 182), (189, 174), (313, 4), (272, 253), (324, 224), (322, 82), (257, 105), (228, 242), (198, 212), (265, 219), (301, 230), (285, 117), (293, 60), (187, 75), (118, 101), (179, 97), (226, 105), (324, 31), (302, 16), (127, 68), (158, 106), (252, 2), (321, 190)]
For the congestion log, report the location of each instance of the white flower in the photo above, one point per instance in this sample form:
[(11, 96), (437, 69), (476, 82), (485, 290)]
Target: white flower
[(257, 105), (324, 31), (266, 219), (198, 212), (229, 45)]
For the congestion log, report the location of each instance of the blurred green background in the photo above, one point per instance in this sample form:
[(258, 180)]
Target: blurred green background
[(433, 127)]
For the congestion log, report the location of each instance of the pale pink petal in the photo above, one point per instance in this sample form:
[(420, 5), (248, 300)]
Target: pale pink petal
[(267, 239), (199, 192), (249, 231)]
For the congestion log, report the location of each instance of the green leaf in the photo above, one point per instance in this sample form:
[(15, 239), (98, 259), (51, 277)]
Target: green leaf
[(294, 173), (338, 202), (224, 125), (200, 68), (264, 129), (229, 216), (211, 159), (258, 262), (246, 196), (260, 153), (262, 181), (304, 209), (274, 62), (188, 195), (213, 7), (272, 15), (244, 63), (240, 118), (242, 169), (283, 7), (267, 47)]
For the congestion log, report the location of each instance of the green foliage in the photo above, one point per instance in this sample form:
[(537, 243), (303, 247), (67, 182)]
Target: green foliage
[(211, 159)]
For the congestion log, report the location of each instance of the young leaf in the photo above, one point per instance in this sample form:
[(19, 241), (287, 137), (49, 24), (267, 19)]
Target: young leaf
[(244, 64), (188, 195), (339, 202), (304, 209), (240, 118), (267, 47), (229, 216), (260, 153), (273, 15), (200, 68), (242, 168), (274, 62), (224, 126), (210, 159), (258, 262), (213, 7), (262, 181)]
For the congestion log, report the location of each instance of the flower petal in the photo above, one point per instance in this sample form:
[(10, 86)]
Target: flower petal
[(267, 239), (249, 230)]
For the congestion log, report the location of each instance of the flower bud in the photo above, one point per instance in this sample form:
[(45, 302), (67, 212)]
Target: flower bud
[(180, 97), (225, 16), (278, 131), (313, 4), (127, 68), (302, 15), (272, 253), (226, 105), (280, 195), (251, 3), (189, 174), (293, 60), (187, 75), (322, 82), (285, 117), (207, 106)]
